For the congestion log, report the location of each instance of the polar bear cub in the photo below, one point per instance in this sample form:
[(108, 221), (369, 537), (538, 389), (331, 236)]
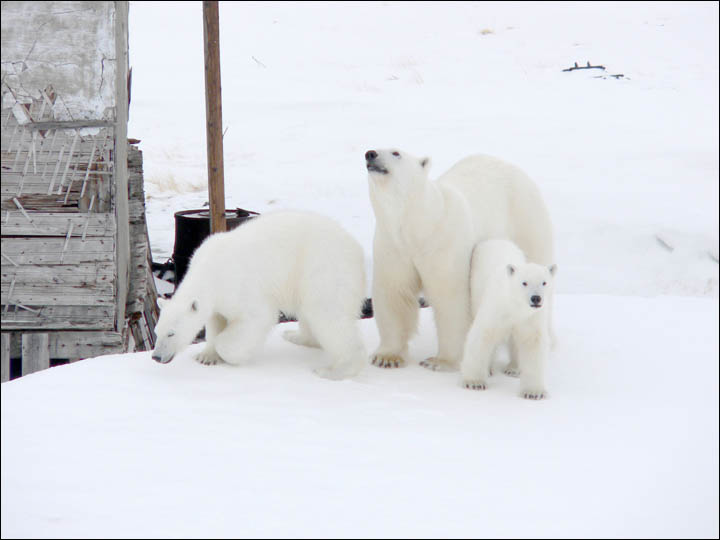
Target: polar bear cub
[(295, 262), (509, 298)]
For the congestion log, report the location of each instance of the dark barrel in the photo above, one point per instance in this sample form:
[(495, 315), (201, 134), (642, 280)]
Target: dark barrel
[(192, 227)]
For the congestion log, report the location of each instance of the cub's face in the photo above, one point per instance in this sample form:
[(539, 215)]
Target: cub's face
[(176, 328), (532, 283), (394, 168)]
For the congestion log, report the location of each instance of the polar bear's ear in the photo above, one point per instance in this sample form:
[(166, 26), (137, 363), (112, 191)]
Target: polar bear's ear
[(510, 269), (425, 163), (162, 302), (553, 270), (194, 306)]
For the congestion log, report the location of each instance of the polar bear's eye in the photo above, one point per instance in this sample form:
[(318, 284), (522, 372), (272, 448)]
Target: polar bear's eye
[(544, 283), (524, 283), (396, 154)]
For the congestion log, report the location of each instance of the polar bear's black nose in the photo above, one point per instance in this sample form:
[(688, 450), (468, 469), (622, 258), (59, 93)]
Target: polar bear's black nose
[(536, 299), (370, 155)]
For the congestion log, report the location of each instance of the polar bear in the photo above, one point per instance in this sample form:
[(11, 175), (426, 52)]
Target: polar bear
[(509, 298), (424, 234), (295, 262)]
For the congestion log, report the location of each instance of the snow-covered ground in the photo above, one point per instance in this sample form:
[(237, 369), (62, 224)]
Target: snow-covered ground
[(627, 444)]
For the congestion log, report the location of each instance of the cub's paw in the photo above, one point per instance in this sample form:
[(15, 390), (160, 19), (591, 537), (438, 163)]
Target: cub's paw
[(475, 384), (438, 364), (208, 357), (298, 338), (534, 393), (512, 372), (388, 361)]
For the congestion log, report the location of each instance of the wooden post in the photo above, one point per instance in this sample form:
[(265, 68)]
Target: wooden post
[(5, 354), (35, 352), (213, 111), (122, 213)]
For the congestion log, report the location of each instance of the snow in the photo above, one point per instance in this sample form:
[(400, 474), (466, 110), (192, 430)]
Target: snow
[(618, 161), (627, 444)]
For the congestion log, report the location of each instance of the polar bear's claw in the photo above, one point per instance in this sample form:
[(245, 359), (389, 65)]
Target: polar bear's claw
[(511, 372), (438, 364), (534, 394), (388, 361), (475, 385)]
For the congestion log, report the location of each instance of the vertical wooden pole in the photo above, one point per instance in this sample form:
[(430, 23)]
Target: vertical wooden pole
[(5, 354), (213, 111), (122, 211), (35, 352)]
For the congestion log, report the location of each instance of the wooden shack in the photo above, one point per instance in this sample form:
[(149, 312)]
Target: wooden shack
[(76, 278)]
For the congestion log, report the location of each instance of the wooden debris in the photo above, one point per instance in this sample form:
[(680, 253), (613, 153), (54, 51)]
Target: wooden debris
[(588, 66)]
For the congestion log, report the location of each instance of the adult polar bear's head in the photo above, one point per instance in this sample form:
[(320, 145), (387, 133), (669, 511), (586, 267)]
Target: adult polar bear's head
[(180, 321), (396, 171), (531, 283)]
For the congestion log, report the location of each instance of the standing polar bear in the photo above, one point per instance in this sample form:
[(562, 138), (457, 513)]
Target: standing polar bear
[(509, 298), (424, 235), (238, 281)]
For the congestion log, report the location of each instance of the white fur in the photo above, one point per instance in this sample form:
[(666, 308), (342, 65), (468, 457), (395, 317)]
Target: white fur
[(424, 235), (295, 262), (504, 289)]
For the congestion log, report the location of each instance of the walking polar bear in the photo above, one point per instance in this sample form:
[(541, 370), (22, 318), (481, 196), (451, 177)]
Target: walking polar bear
[(424, 234), (238, 281), (509, 298)]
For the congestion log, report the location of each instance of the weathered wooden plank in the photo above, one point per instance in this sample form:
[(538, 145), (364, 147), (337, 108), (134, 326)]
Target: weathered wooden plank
[(76, 124), (44, 153), (15, 184), (75, 275), (49, 250), (60, 318), (120, 167), (35, 352), (75, 345), (54, 294), (4, 357), (14, 223)]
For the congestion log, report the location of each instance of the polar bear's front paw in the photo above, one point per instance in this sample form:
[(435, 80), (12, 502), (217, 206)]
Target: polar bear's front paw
[(438, 364), (475, 384), (534, 393), (512, 372), (208, 357), (388, 361)]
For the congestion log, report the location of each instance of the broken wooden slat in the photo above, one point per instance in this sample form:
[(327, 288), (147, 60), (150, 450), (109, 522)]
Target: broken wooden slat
[(10, 260), (67, 240), (35, 352), (69, 161)]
